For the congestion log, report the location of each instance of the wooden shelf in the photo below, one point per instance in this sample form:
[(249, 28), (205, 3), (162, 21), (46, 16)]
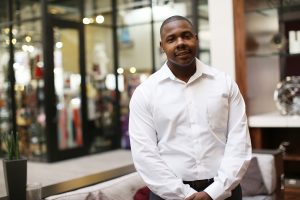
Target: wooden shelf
[(292, 157), (274, 119)]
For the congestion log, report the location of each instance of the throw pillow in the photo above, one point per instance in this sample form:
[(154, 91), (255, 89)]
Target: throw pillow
[(252, 183), (142, 194)]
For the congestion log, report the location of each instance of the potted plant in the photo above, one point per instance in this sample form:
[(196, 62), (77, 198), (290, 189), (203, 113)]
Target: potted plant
[(14, 168)]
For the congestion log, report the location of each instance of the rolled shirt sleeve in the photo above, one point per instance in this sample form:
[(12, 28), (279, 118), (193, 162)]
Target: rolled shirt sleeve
[(237, 151)]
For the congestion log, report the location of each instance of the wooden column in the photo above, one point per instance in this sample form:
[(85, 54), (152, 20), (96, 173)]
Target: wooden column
[(240, 47), (256, 138)]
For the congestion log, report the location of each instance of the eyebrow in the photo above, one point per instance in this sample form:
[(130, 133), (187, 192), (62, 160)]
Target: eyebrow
[(182, 33)]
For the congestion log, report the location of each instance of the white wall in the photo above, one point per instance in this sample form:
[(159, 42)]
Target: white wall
[(222, 35), (262, 61)]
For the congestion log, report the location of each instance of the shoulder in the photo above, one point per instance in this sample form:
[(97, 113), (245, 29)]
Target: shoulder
[(216, 74), (219, 78), (151, 82), (145, 90)]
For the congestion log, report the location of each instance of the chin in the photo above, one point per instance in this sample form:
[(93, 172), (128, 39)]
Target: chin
[(181, 63), (186, 63)]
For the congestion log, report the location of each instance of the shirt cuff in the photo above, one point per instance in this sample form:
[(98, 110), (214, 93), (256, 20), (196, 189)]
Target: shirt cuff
[(216, 191), (189, 191)]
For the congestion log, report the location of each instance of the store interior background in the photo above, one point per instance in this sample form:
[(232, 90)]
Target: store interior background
[(68, 67), (64, 69)]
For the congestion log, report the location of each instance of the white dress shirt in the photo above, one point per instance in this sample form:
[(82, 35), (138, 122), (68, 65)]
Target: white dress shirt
[(189, 131)]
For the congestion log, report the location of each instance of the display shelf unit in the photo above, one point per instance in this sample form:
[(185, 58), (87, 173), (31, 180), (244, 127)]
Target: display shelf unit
[(266, 5), (261, 63)]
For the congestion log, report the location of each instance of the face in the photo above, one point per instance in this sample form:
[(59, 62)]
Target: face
[(179, 43)]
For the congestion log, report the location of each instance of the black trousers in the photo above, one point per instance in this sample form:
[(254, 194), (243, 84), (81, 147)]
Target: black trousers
[(236, 194)]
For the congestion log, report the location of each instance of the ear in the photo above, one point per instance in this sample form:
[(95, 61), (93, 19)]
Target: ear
[(196, 36), (161, 47)]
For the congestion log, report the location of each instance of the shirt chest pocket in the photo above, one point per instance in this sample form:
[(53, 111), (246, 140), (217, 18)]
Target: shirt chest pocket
[(217, 112)]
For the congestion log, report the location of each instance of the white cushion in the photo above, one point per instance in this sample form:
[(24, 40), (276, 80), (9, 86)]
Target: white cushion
[(121, 188), (266, 164), (258, 197)]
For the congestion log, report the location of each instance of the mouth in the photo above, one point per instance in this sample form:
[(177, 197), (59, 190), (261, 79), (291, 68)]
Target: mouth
[(182, 53)]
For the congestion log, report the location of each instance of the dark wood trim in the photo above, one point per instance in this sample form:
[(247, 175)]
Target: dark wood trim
[(86, 181), (240, 48), (256, 138), (291, 193), (116, 140), (48, 77), (11, 72), (82, 65)]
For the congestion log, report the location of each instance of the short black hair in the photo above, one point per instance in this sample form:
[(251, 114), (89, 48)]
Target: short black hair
[(174, 18)]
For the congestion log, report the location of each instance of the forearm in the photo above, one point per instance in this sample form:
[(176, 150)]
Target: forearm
[(157, 175)]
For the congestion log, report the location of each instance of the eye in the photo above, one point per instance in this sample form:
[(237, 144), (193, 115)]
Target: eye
[(170, 39), (187, 35)]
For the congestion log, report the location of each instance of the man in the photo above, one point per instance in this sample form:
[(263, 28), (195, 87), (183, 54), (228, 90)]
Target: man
[(188, 128)]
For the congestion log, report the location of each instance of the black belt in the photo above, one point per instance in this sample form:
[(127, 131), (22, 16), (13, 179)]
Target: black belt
[(236, 194), (199, 185)]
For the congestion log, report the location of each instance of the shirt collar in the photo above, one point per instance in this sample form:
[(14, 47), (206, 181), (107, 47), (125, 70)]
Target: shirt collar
[(201, 68)]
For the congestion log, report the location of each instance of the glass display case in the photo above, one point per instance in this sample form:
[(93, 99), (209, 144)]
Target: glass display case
[(21, 76)]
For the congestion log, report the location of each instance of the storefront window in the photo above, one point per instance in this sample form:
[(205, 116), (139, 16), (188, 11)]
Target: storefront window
[(203, 32), (29, 95), (133, 12), (134, 67), (67, 81), (86, 109), (100, 86), (101, 81), (3, 13), (25, 10), (98, 12), (66, 9)]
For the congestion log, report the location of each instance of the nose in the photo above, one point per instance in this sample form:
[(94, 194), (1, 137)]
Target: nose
[(179, 41)]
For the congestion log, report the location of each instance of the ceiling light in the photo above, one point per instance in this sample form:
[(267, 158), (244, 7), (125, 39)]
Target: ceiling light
[(14, 31), (132, 70), (14, 41), (31, 48), (120, 70), (24, 47), (27, 38), (100, 19), (86, 20), (59, 45)]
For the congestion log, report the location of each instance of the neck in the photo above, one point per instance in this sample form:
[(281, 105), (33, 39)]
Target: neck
[(183, 73)]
